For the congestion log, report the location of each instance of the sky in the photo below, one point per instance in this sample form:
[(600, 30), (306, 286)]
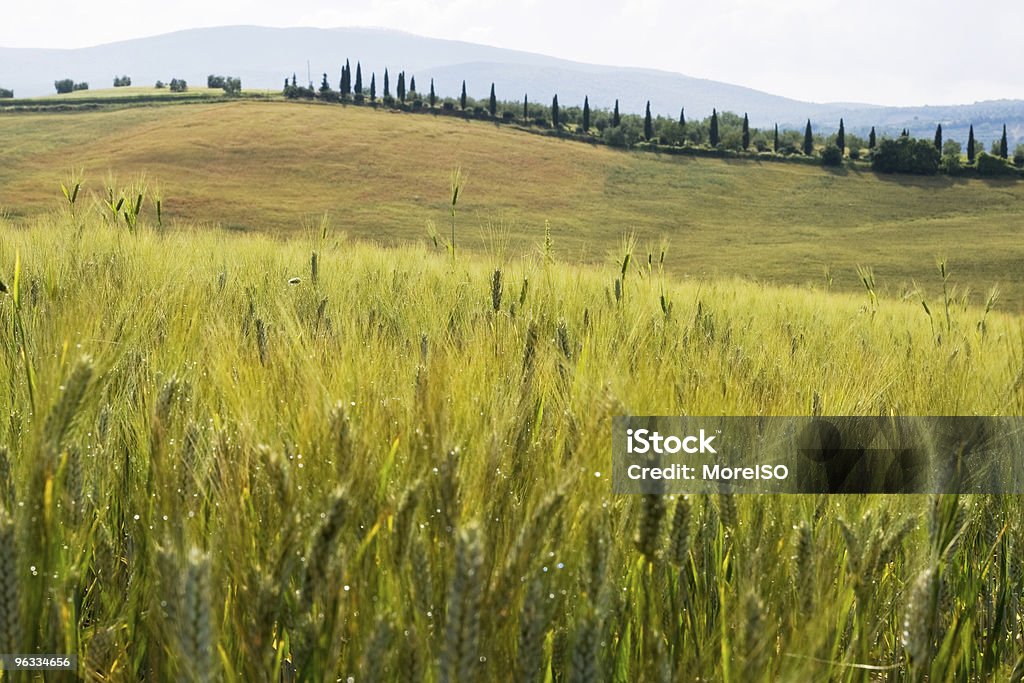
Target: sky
[(891, 52)]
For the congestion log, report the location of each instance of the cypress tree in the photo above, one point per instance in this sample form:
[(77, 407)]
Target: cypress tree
[(841, 138), (586, 114), (401, 86), (324, 85), (648, 124), (871, 138), (1004, 148), (775, 142), (373, 87), (286, 84), (412, 84), (746, 132), (462, 98), (905, 133), (346, 79), (808, 140), (492, 103), (554, 112), (938, 138), (615, 115), (713, 128), (295, 81), (433, 95), (970, 145), (359, 79), (387, 84), (682, 118), (526, 108)]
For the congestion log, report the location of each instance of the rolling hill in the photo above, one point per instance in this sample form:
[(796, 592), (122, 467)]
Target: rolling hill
[(276, 167), (262, 57)]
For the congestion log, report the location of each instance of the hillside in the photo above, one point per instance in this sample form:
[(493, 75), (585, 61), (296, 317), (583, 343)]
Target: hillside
[(262, 57), (276, 167)]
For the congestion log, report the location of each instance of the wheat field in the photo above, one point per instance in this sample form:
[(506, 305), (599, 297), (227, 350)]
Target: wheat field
[(231, 457)]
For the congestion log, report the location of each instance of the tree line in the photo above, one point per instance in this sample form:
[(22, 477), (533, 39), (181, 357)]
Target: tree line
[(231, 85), (721, 132)]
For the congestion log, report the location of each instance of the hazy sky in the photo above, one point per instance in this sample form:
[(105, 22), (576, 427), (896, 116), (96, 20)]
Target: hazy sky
[(879, 51)]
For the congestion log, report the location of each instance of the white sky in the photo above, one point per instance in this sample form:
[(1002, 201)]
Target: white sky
[(896, 52)]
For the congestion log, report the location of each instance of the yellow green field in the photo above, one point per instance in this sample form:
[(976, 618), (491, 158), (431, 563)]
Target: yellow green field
[(398, 469), (274, 166)]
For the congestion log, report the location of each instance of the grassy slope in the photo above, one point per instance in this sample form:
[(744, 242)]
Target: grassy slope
[(406, 360), (265, 166)]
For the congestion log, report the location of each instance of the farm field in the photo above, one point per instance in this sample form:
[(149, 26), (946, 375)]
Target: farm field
[(397, 469), (273, 167)]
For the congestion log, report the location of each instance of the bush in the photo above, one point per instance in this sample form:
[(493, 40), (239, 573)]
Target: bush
[(906, 155), (232, 85), (215, 81), (508, 116), (1018, 156), (122, 81), (298, 92), (991, 166), (160, 85), (178, 85), (81, 86), (448, 106), (951, 165), (614, 136), (6, 94), (854, 153), (63, 86), (831, 155)]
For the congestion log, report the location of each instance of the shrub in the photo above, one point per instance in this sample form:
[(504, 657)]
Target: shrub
[(991, 166), (831, 155), (81, 86), (854, 153), (1018, 156), (233, 85), (178, 85), (448, 106), (122, 81), (297, 92), (215, 81), (6, 94), (507, 116), (65, 85), (160, 85), (906, 155), (614, 136), (951, 165)]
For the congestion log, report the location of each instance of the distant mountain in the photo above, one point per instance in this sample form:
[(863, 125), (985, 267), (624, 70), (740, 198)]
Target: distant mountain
[(263, 57)]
